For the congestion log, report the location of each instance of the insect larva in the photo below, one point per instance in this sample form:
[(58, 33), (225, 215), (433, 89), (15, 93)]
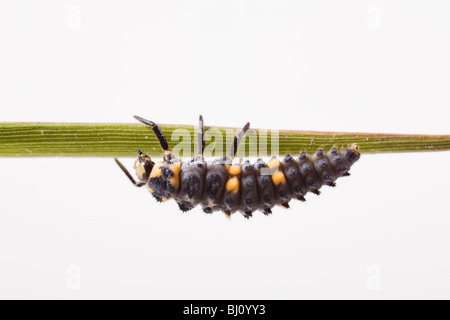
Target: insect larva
[(244, 187)]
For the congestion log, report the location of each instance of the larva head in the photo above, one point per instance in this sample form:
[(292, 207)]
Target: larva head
[(352, 154), (143, 166)]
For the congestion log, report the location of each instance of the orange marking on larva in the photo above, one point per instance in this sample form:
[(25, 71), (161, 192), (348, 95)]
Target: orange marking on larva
[(275, 163), (156, 171), (150, 189), (175, 180), (234, 169), (233, 185), (175, 167), (228, 216), (278, 177)]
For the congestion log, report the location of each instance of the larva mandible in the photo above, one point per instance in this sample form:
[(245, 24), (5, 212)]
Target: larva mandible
[(244, 187)]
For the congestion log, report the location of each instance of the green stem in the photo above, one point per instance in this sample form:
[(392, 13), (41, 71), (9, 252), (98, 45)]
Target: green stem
[(121, 140)]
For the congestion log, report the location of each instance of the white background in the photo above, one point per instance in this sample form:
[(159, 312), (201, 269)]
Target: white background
[(76, 228)]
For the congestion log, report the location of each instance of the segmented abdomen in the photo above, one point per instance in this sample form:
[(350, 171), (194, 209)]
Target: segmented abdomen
[(246, 187)]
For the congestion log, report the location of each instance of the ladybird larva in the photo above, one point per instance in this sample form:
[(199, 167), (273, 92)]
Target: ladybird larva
[(245, 187)]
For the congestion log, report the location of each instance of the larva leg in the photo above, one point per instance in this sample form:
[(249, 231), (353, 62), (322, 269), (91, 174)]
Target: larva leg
[(237, 139), (121, 166), (159, 135), (201, 136)]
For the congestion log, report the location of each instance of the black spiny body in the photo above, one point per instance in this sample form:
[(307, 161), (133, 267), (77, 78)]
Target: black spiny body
[(224, 186)]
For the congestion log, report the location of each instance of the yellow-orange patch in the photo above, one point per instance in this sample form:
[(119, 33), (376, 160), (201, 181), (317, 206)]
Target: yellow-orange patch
[(175, 180), (278, 177), (233, 185), (234, 169), (156, 171), (275, 163)]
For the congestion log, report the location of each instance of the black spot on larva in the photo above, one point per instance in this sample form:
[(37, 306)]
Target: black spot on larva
[(166, 172), (214, 181), (297, 189), (346, 174), (322, 164), (287, 158), (228, 201), (327, 177), (331, 184), (342, 169), (333, 151), (337, 159), (249, 183), (185, 206), (249, 203), (265, 180), (214, 177), (303, 156), (267, 200), (319, 153), (283, 194), (316, 192), (162, 188), (207, 210), (191, 178), (301, 198), (267, 211), (227, 212), (161, 184), (306, 168), (292, 171), (311, 183), (200, 165), (192, 185)]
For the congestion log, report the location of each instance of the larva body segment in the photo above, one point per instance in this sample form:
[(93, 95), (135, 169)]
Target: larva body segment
[(192, 181), (249, 190), (266, 192), (292, 173), (245, 187), (214, 186)]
